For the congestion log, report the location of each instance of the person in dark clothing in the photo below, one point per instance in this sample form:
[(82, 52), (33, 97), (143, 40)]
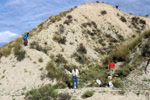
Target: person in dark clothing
[(26, 39)]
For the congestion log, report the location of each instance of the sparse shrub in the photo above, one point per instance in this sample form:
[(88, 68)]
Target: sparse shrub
[(125, 71), (20, 55), (55, 73), (84, 25), (5, 51), (62, 14), (120, 37), (44, 93), (82, 49), (133, 36), (103, 44), (90, 33), (113, 40), (61, 85), (54, 18), (97, 1), (19, 40), (60, 59), (93, 73), (103, 12), (123, 19), (108, 36), (118, 14), (61, 29), (50, 67), (45, 43), (122, 92), (64, 96), (122, 52), (87, 94), (59, 39), (89, 24), (17, 47), (135, 21), (35, 45), (142, 21), (68, 67), (40, 60), (67, 22), (62, 40), (100, 41), (94, 24), (117, 82), (56, 38), (69, 16)]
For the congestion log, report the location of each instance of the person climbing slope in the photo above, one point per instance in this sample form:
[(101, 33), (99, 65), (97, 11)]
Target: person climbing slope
[(75, 74), (25, 39)]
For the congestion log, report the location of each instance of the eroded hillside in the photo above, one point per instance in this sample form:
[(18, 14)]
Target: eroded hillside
[(92, 31)]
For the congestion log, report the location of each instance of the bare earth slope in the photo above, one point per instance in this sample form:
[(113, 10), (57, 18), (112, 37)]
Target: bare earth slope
[(91, 25)]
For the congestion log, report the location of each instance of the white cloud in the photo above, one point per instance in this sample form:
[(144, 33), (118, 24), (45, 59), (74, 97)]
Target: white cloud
[(7, 36)]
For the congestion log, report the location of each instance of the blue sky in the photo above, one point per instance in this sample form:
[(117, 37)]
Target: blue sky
[(19, 16)]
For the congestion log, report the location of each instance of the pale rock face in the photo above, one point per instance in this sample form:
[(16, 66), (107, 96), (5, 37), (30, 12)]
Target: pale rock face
[(17, 77)]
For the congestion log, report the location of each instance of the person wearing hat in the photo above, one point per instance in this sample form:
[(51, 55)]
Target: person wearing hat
[(75, 74)]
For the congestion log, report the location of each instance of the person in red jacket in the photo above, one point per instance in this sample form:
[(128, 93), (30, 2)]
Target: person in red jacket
[(111, 67)]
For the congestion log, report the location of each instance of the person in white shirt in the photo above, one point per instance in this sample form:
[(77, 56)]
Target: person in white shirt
[(75, 74)]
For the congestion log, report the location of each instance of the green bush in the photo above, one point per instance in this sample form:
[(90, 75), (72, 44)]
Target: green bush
[(57, 38), (122, 52), (17, 47), (69, 16), (40, 60), (82, 49), (120, 37), (5, 51), (93, 73), (19, 40), (87, 94), (117, 82), (68, 67), (61, 29), (97, 1), (60, 59), (46, 92), (50, 67), (62, 14), (55, 73), (62, 40), (108, 36), (20, 55), (113, 40), (64, 96), (35, 45), (123, 19), (61, 85), (103, 12), (68, 21)]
